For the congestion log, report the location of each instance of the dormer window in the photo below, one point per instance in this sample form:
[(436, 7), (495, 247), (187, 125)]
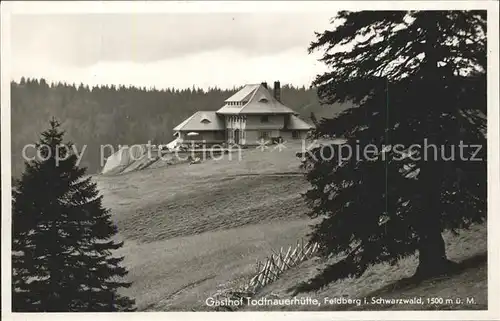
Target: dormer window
[(263, 100), (204, 119)]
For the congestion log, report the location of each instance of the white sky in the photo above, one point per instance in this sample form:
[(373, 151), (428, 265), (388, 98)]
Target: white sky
[(169, 49)]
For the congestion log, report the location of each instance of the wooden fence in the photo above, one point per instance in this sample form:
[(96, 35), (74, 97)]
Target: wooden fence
[(274, 266), (277, 263)]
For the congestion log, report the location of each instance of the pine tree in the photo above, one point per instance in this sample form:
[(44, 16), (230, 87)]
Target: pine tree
[(62, 237), (416, 78)]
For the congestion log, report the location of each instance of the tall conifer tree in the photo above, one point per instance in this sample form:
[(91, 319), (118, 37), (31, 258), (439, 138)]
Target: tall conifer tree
[(62, 237), (416, 78)]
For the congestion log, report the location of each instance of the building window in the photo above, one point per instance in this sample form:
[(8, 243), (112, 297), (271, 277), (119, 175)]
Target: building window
[(295, 134), (264, 135), (264, 119)]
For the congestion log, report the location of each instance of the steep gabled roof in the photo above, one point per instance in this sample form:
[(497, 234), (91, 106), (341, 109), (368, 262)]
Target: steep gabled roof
[(259, 101), (244, 93), (200, 121)]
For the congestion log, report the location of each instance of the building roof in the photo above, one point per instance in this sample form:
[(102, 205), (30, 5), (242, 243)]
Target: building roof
[(243, 94), (200, 121), (254, 99), (295, 123)]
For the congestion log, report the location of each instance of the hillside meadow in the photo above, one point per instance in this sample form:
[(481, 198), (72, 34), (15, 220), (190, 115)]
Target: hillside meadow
[(191, 229)]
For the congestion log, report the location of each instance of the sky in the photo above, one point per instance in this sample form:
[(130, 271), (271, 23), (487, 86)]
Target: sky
[(168, 49)]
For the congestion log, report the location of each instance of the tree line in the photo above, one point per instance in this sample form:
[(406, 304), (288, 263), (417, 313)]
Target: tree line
[(95, 116)]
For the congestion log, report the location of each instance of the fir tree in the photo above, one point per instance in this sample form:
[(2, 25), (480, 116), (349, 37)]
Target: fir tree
[(62, 237), (416, 78)]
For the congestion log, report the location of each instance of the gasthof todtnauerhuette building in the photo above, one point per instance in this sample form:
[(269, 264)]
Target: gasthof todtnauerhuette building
[(251, 115)]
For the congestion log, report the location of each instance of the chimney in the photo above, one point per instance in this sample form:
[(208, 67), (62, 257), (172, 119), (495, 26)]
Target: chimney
[(277, 91), (264, 84)]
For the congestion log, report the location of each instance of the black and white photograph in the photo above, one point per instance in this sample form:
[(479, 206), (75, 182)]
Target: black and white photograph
[(237, 157)]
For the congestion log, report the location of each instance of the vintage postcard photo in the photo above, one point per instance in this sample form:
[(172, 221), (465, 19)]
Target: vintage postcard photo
[(250, 157)]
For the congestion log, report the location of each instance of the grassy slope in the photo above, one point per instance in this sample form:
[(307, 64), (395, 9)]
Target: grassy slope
[(383, 280), (189, 229)]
